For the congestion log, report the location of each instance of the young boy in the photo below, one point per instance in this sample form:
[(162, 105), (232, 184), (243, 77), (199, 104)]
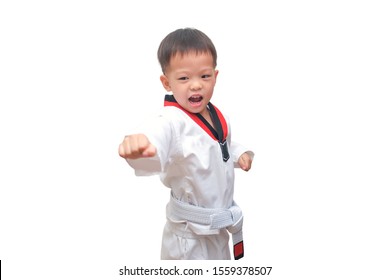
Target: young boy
[(188, 144)]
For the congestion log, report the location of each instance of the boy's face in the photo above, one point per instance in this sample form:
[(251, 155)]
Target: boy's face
[(191, 77)]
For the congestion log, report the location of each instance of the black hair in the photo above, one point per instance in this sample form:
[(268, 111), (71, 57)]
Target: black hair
[(182, 41)]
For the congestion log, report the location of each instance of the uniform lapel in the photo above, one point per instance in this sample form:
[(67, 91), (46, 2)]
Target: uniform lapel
[(219, 133)]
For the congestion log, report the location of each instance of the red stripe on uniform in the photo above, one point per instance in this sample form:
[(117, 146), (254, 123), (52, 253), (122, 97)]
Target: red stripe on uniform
[(223, 122)]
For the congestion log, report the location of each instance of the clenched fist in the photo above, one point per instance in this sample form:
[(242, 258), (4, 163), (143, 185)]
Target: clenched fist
[(245, 161), (136, 146)]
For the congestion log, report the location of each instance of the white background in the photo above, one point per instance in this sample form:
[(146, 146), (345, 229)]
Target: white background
[(306, 86)]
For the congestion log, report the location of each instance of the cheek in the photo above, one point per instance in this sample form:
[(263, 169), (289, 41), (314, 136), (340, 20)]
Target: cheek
[(175, 87), (211, 86)]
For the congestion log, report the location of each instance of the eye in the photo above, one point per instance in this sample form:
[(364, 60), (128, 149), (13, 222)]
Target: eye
[(183, 78), (206, 76)]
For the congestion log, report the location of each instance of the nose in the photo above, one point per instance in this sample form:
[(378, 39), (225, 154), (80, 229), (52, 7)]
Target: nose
[(196, 85)]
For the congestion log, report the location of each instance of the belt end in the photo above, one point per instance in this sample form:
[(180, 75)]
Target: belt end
[(238, 250)]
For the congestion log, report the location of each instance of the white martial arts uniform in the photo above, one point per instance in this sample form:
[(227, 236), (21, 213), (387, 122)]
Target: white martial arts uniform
[(190, 161)]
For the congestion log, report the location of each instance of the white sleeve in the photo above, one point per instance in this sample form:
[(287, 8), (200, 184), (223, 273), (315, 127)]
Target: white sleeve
[(236, 149), (160, 133)]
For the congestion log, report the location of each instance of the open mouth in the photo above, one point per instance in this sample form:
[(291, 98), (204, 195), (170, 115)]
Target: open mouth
[(195, 99)]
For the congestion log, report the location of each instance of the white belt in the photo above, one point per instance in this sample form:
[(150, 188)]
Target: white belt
[(215, 218)]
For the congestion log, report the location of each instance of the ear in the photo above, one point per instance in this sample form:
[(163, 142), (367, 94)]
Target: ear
[(165, 82), (216, 73)]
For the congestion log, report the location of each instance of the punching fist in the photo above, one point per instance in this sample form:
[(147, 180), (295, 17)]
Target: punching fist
[(136, 146)]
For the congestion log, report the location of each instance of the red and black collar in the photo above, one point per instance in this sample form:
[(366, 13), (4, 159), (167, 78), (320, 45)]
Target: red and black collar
[(221, 129)]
